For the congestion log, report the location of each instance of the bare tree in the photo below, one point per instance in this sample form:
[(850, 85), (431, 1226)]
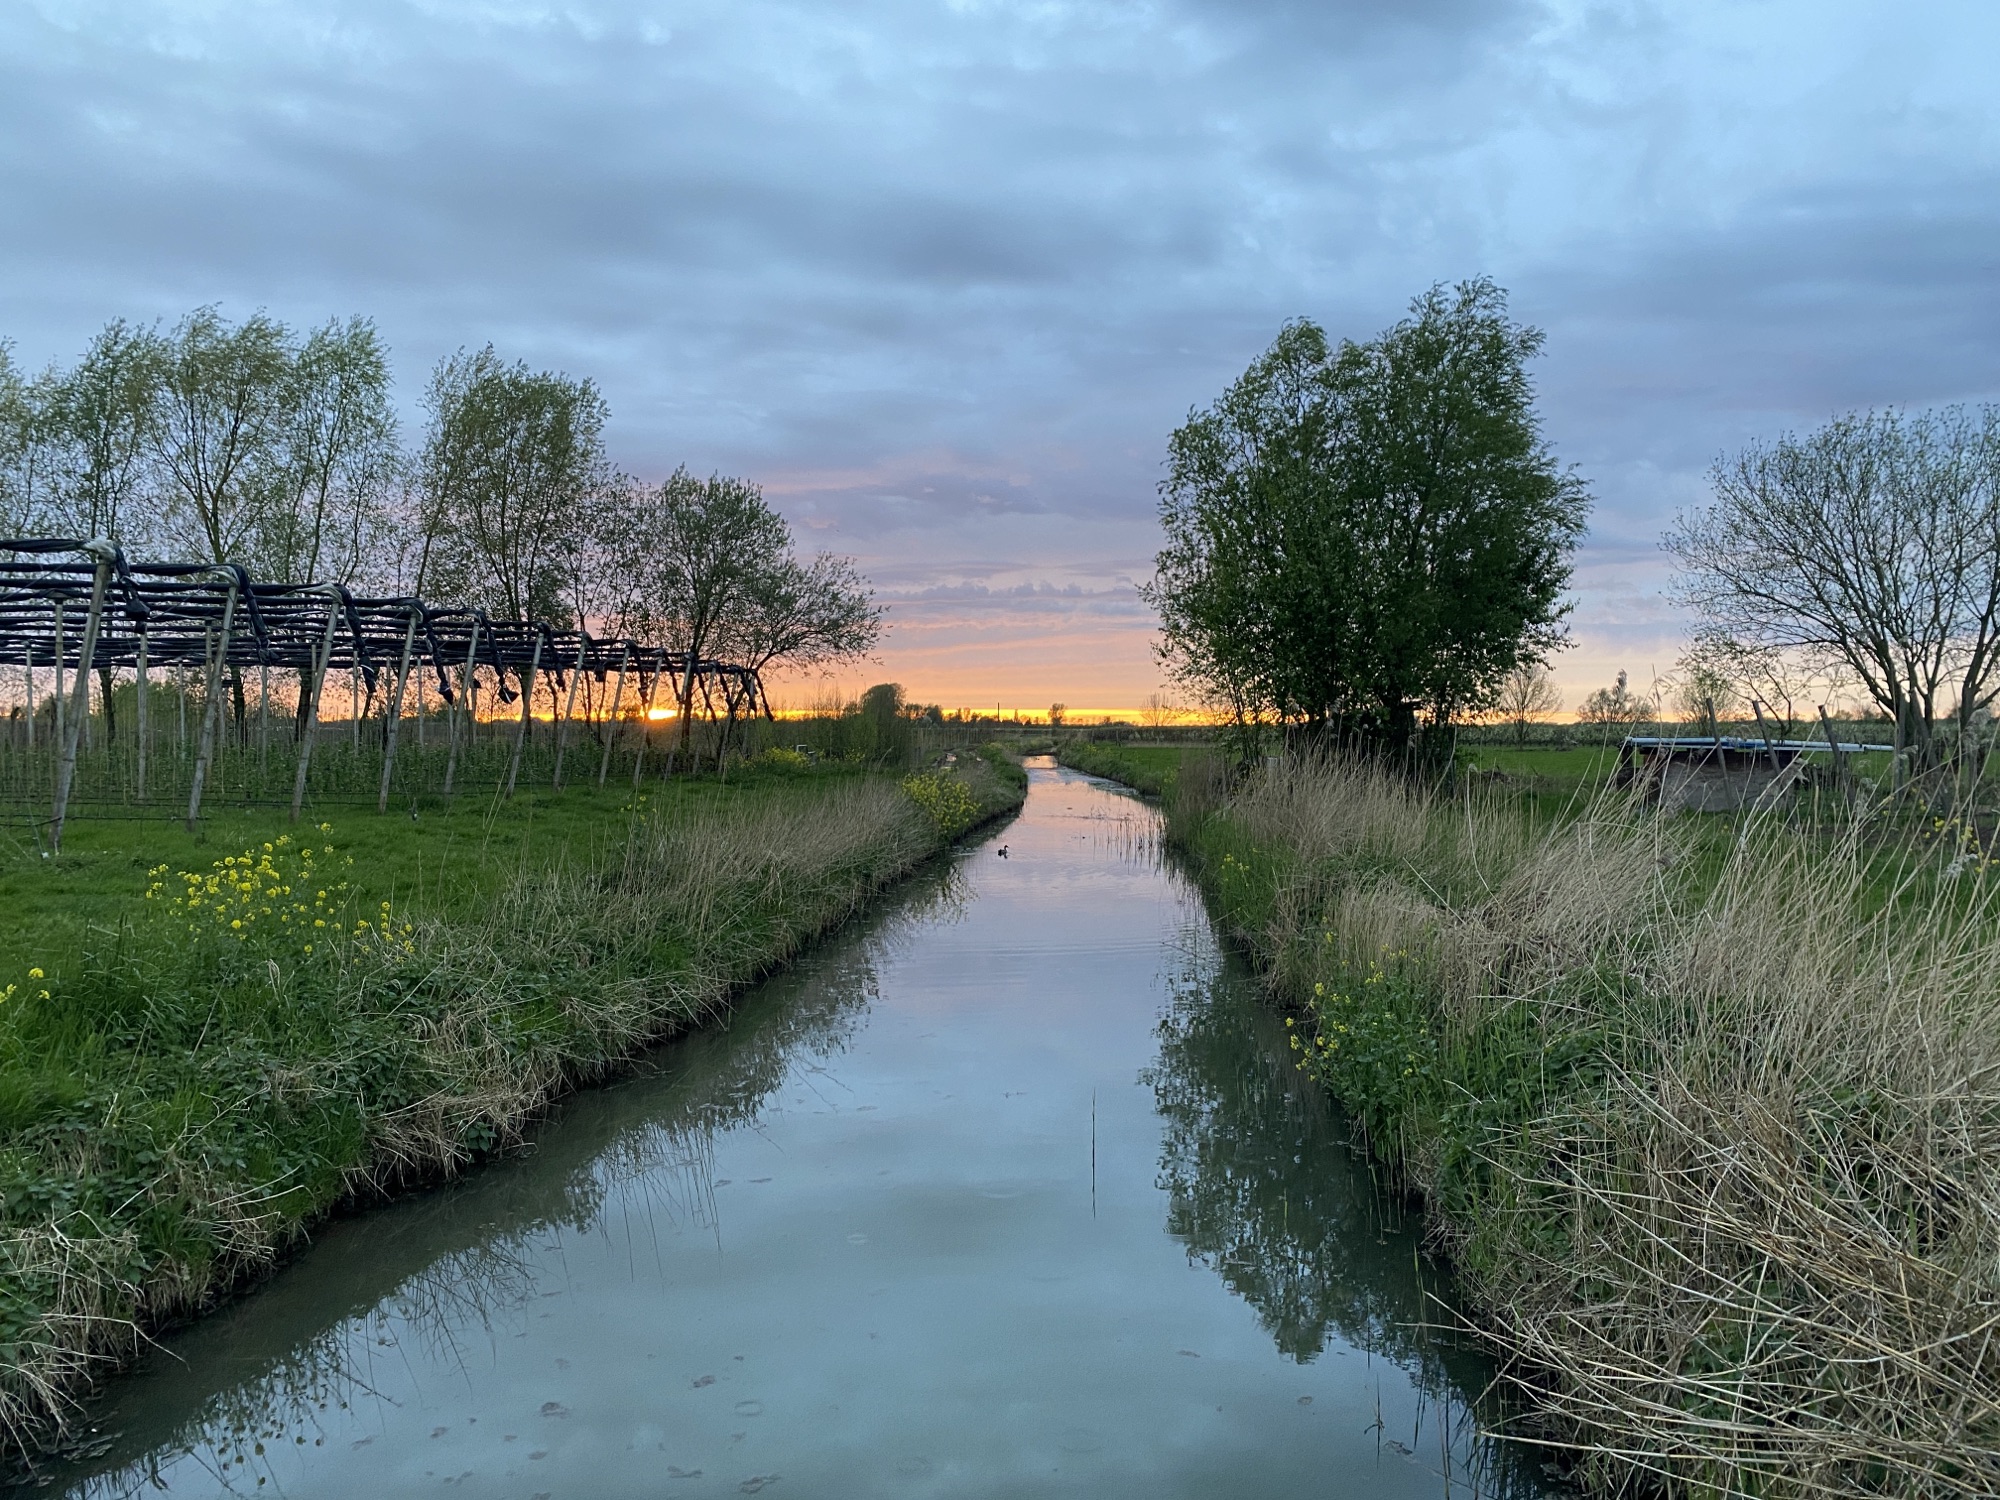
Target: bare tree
[(1617, 707), (1527, 693), (803, 616), (1159, 710), (1873, 543)]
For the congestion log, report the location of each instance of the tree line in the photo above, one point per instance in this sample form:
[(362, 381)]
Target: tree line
[(279, 449), (1366, 539)]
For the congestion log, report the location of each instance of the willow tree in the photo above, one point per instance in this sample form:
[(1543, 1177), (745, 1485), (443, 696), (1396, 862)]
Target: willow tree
[(1366, 537), (511, 460)]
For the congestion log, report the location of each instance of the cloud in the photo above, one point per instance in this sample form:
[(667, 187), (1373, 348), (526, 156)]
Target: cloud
[(943, 273)]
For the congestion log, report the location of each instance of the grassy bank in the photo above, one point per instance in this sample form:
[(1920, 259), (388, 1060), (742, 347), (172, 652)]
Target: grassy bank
[(207, 1047), (1708, 1119), (1146, 768)]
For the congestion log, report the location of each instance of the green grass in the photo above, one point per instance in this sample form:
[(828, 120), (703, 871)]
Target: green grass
[(1146, 768), (197, 1075)]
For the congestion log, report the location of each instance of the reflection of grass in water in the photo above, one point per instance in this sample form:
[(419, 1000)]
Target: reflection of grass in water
[(660, 1163), (1264, 1190)]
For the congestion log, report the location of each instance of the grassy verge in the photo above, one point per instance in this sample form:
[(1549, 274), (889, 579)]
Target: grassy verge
[(1708, 1118), (1145, 768), (213, 1045)]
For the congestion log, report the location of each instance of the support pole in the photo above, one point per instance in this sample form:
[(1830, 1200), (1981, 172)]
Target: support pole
[(569, 709), (145, 718), (28, 669), (396, 712), (684, 728), (321, 659), (527, 713), (464, 703), (611, 724), (62, 645), (211, 708), (354, 698), (80, 710), (646, 719), (263, 719)]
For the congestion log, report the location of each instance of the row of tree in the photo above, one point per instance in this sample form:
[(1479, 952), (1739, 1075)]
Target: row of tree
[(256, 444)]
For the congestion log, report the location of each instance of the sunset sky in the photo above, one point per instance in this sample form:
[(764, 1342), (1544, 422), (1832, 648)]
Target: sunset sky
[(941, 275)]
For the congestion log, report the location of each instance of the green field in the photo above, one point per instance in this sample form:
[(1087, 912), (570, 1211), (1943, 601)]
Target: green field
[(207, 1041)]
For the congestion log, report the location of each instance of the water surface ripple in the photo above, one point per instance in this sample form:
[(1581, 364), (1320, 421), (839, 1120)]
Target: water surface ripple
[(1010, 1190)]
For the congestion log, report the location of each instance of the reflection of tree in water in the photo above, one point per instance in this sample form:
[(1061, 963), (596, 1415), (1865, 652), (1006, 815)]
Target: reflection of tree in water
[(1264, 1188), (457, 1267)]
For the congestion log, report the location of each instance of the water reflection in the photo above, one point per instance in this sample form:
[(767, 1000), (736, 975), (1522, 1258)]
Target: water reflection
[(422, 1281), (1009, 1190), (1265, 1188)]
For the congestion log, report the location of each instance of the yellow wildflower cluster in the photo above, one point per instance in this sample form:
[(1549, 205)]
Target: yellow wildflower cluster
[(284, 889), (946, 801), (1959, 836), (35, 977)]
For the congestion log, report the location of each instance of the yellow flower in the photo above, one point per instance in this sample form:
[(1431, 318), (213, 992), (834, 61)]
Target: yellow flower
[(236, 926), (36, 974)]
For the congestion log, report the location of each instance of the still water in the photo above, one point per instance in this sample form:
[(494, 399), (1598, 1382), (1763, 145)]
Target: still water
[(1011, 1190)]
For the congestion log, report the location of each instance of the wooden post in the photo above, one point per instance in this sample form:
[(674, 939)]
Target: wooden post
[(396, 712), (527, 713), (1839, 756), (144, 718), (685, 705), (423, 705), (463, 703), (611, 724), (1764, 735), (211, 709), (646, 718), (263, 719), (322, 658), (80, 710), (61, 646), (28, 668), (354, 697), (569, 709)]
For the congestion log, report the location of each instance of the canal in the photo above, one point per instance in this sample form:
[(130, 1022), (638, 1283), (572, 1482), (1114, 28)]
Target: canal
[(1009, 1190)]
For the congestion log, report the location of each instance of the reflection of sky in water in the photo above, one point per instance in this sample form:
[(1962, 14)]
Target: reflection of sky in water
[(907, 1225)]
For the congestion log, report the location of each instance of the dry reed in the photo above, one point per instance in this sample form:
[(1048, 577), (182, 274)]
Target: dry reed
[(1712, 1123)]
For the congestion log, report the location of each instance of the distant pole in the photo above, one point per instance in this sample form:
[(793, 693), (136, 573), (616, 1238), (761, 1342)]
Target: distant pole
[(396, 712), (28, 671), (611, 723), (211, 709), (80, 710), (527, 713), (569, 709), (144, 720), (322, 659)]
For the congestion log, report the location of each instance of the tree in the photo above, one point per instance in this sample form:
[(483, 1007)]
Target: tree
[(19, 449), (1057, 712), (511, 458), (1872, 543), (1527, 693), (1159, 710), (1361, 537), (339, 460), (803, 616), (1616, 707), (97, 432), (218, 431), (698, 551)]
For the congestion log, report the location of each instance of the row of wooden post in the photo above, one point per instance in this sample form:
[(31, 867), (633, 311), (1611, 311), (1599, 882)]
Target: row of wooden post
[(72, 716)]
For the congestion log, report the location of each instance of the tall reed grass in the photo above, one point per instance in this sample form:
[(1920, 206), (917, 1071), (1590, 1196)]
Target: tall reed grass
[(177, 1115), (1708, 1115)]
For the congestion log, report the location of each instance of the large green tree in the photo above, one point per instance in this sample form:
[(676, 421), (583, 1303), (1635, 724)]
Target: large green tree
[(1368, 536)]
